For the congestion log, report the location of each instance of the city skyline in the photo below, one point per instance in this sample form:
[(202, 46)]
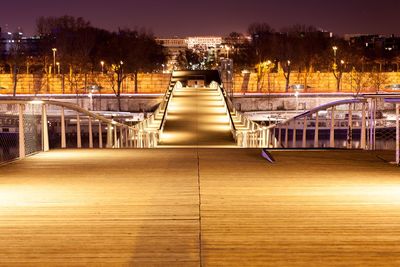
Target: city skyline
[(165, 19)]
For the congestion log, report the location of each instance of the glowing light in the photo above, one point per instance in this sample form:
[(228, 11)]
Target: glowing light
[(36, 102)]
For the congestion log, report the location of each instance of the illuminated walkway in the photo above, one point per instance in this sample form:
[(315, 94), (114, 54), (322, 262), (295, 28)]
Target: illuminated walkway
[(196, 117), (199, 207)]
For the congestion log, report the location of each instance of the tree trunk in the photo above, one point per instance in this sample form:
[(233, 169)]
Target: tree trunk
[(338, 84), (15, 80), (287, 78), (119, 83), (136, 82)]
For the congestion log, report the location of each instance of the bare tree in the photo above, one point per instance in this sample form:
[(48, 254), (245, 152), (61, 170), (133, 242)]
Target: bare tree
[(16, 59), (377, 79), (360, 79)]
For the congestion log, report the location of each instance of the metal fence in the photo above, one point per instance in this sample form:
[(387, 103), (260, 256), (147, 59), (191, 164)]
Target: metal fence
[(27, 127)]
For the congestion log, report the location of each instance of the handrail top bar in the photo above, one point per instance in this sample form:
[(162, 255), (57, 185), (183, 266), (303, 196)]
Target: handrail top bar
[(226, 102), (321, 107), (66, 105)]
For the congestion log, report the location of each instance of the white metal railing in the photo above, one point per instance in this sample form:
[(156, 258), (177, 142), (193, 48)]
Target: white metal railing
[(153, 126), (118, 134), (245, 132)]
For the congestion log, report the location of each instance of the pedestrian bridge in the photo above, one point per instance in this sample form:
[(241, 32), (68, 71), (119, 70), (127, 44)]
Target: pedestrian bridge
[(198, 116), (205, 205)]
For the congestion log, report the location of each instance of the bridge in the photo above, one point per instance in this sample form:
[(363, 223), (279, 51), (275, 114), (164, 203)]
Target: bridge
[(102, 199)]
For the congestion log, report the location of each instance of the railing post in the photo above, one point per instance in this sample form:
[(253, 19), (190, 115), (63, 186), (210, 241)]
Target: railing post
[(126, 137), (100, 135), (332, 129), (63, 134), (109, 135), (279, 137), (130, 134), (304, 141), (316, 132), (263, 137), (363, 127), (397, 134), (294, 133), (90, 133), (121, 137), (350, 128), (139, 139), (78, 131), (239, 139), (45, 129), (275, 139), (115, 136), (287, 135), (21, 131), (372, 124)]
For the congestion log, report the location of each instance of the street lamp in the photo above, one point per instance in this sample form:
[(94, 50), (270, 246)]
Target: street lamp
[(58, 67), (227, 51), (335, 48), (54, 59), (102, 66)]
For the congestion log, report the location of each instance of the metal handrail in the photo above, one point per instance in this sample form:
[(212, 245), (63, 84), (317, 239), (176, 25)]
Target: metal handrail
[(171, 91), (68, 105), (320, 108), (227, 105)]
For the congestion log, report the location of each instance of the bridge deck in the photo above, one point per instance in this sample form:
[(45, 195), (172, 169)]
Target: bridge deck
[(141, 208), (197, 118)]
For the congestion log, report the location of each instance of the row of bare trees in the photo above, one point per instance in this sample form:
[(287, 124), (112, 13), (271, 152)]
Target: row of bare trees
[(307, 49), (72, 47)]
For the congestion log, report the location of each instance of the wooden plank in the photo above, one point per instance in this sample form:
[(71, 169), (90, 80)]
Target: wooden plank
[(106, 208), (307, 209)]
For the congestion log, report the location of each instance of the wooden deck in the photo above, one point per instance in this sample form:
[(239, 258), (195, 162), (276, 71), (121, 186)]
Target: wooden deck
[(142, 208)]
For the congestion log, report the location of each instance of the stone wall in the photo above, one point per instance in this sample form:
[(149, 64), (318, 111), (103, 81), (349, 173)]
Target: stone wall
[(59, 84), (319, 82)]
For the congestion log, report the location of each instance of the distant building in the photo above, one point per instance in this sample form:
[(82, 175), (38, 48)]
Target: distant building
[(30, 45), (207, 46), (174, 47), (204, 42), (374, 41)]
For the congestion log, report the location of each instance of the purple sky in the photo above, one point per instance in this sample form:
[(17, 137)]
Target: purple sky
[(214, 17)]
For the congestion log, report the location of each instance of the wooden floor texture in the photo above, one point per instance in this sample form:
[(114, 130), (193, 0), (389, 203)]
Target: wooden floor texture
[(199, 207)]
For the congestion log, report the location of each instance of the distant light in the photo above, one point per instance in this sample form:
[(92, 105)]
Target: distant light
[(36, 102)]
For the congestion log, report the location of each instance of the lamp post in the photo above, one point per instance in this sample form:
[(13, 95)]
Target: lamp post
[(102, 66), (54, 59), (335, 48), (58, 67), (227, 48)]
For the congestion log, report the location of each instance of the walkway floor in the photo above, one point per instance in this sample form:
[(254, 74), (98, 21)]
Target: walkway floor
[(197, 118), (199, 207)]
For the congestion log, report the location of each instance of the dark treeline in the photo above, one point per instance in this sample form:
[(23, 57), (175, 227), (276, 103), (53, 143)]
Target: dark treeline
[(72, 47)]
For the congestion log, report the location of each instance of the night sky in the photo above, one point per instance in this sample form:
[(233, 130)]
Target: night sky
[(210, 17)]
